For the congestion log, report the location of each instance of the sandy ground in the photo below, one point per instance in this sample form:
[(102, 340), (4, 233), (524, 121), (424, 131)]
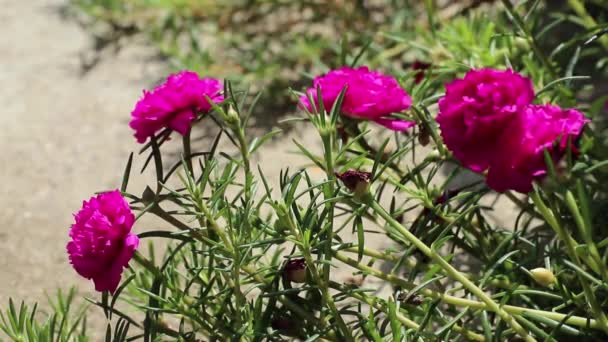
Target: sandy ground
[(64, 135)]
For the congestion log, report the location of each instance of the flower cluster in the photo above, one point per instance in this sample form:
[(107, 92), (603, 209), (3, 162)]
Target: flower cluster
[(489, 123), (487, 120), (101, 241), (102, 244), (370, 95)]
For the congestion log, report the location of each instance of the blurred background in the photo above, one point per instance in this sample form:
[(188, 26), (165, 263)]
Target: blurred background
[(71, 72)]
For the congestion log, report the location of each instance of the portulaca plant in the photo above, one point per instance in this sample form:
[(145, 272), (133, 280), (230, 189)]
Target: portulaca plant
[(250, 258)]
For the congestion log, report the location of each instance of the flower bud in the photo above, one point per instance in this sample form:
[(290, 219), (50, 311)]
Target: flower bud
[(295, 271), (357, 182), (543, 276), (232, 117)]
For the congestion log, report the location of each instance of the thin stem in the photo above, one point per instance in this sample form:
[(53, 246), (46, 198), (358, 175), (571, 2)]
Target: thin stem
[(570, 243), (457, 301), (375, 303), (585, 232), (329, 189), (412, 263), (244, 148), (450, 270), (522, 205), (217, 229), (252, 271), (579, 8), (530, 38), (188, 152), (304, 248)]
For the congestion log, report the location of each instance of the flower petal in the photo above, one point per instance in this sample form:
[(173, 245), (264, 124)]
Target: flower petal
[(395, 124)]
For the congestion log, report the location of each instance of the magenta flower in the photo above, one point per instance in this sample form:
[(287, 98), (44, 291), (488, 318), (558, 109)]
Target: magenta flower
[(370, 95), (174, 104), (476, 109), (520, 157), (102, 243)]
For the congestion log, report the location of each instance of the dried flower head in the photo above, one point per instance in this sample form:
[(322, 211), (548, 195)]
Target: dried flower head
[(295, 271), (357, 182)]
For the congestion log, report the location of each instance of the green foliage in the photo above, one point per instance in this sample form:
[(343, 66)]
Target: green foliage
[(230, 230), (64, 323)]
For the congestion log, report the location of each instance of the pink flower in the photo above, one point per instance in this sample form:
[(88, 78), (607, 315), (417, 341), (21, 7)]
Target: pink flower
[(102, 243), (370, 95), (520, 157), (174, 104), (476, 109)]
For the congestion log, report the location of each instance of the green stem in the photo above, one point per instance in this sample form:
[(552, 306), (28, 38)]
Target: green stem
[(450, 270), (188, 153), (252, 271), (375, 303), (522, 205), (244, 148), (329, 188), (585, 232), (412, 263), (570, 243), (217, 229), (457, 301), (579, 8), (530, 38), (304, 248)]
